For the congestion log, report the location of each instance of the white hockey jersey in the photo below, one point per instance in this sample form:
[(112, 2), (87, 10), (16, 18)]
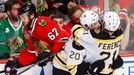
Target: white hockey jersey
[(90, 47), (99, 46), (69, 58)]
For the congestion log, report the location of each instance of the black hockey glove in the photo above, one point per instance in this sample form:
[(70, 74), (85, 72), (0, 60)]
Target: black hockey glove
[(118, 62), (11, 66), (96, 67), (42, 56)]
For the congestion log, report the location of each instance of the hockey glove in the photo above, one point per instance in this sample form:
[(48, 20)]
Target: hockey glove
[(11, 66), (118, 62), (42, 56), (97, 67)]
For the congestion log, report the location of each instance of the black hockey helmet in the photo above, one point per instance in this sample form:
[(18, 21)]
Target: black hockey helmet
[(27, 8)]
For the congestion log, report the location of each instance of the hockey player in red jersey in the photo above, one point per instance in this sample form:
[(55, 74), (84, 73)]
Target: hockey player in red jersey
[(40, 28), (47, 30), (44, 29)]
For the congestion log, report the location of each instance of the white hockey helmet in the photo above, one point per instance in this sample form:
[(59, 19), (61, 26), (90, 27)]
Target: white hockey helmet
[(88, 18), (111, 20)]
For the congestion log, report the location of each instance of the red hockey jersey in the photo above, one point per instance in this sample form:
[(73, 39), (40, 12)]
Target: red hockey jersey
[(47, 30)]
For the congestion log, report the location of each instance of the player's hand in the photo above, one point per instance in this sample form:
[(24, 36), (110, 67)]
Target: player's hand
[(97, 67), (14, 55), (11, 66), (71, 4), (118, 62), (13, 42), (42, 56)]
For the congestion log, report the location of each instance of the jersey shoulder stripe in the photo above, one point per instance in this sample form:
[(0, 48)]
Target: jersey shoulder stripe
[(64, 63), (104, 35), (109, 40), (76, 29), (59, 62), (74, 70)]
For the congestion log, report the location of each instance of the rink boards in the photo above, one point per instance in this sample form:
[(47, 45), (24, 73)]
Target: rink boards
[(126, 69)]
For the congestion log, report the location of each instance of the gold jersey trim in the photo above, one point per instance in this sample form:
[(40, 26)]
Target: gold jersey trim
[(109, 40)]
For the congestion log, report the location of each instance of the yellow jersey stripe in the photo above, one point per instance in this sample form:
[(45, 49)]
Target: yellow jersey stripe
[(107, 70), (74, 70), (109, 40), (61, 57), (77, 31), (75, 27), (70, 66), (58, 61)]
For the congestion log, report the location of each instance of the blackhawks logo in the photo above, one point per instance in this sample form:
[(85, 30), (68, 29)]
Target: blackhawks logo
[(42, 23)]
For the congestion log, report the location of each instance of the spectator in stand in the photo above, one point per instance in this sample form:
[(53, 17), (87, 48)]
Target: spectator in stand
[(89, 4), (74, 14), (2, 9), (60, 5), (44, 29), (12, 29), (59, 18), (121, 7), (131, 33), (3, 15)]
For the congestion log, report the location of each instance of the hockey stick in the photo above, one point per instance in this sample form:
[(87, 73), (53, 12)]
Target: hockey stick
[(2, 71), (32, 65), (40, 61)]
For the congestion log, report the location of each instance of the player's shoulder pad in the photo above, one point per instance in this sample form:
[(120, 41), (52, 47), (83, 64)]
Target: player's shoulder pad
[(77, 46), (75, 29)]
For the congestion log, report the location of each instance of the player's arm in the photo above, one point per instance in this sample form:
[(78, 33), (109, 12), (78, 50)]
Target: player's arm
[(81, 35), (75, 57), (57, 47), (126, 26), (76, 29), (77, 32)]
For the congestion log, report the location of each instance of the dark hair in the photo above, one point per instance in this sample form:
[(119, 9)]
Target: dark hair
[(8, 5), (72, 10), (27, 7), (57, 14)]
